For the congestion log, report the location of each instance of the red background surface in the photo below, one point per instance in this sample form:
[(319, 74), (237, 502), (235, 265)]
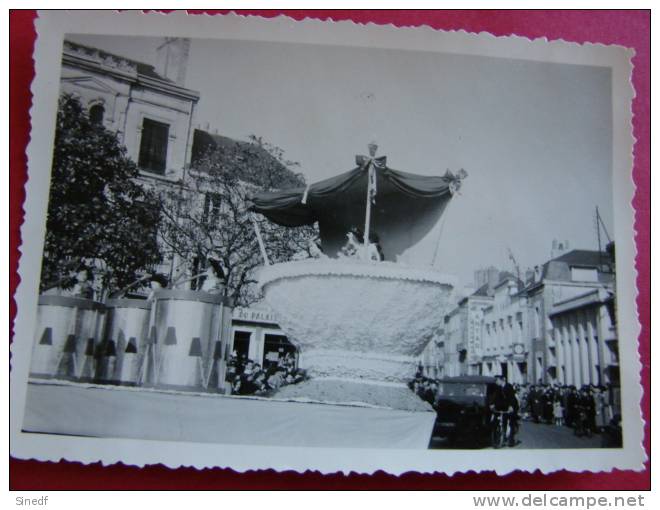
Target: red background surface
[(627, 28)]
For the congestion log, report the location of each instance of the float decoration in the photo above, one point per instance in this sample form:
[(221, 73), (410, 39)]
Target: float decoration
[(355, 316)]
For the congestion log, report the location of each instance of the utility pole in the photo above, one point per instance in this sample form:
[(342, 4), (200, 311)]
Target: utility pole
[(599, 224)]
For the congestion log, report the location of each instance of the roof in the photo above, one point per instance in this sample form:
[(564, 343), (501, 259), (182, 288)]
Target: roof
[(587, 258), (483, 291), (506, 276), (560, 268), (203, 142)]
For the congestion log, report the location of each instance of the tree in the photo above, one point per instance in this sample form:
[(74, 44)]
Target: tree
[(207, 217), (98, 215)]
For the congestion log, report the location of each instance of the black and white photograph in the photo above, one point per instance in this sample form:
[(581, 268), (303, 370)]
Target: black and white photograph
[(360, 245)]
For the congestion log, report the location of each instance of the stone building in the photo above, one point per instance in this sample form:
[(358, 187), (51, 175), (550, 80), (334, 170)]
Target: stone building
[(505, 347), (561, 279), (432, 359), (153, 114), (556, 327), (585, 342), (148, 107), (462, 346)]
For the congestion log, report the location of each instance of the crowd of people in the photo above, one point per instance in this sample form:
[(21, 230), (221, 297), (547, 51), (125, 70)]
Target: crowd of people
[(587, 410), (249, 378)]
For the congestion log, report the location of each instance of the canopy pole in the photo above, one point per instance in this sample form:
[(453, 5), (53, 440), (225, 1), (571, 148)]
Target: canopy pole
[(367, 221), (260, 240), (440, 230)]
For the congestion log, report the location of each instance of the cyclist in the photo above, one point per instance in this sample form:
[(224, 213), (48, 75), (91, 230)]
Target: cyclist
[(503, 401)]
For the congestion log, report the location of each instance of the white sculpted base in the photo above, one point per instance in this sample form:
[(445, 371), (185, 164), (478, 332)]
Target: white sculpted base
[(354, 319)]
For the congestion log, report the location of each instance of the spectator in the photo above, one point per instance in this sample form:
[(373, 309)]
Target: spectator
[(558, 411)]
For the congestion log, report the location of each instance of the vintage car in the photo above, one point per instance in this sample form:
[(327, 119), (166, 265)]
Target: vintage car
[(461, 404)]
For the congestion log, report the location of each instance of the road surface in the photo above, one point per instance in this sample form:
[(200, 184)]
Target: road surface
[(538, 435)]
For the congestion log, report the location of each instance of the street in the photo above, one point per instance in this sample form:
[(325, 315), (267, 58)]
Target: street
[(538, 435)]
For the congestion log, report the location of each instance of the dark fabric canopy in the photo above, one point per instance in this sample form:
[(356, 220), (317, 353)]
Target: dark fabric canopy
[(287, 208), (405, 210)]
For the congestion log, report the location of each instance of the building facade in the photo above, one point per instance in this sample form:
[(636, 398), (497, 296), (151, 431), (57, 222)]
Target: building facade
[(147, 107), (255, 335), (556, 327), (432, 359), (151, 113), (463, 338), (585, 339), (566, 277), (505, 332)]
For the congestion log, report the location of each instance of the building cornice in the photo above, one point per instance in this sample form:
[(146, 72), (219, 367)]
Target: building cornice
[(121, 68), (593, 298)]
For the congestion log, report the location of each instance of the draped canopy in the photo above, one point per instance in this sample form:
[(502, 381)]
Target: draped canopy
[(406, 206)]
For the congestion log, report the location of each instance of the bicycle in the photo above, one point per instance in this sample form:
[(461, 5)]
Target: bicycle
[(499, 432)]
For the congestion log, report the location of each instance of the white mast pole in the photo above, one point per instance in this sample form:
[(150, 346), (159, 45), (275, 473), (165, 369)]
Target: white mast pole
[(367, 220), (371, 179), (260, 240)]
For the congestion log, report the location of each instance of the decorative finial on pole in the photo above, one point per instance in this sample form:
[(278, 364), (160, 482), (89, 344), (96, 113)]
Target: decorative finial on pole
[(364, 161)]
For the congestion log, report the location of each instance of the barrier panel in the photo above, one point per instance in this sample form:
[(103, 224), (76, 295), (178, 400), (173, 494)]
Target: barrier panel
[(67, 333), (187, 332), (122, 355)]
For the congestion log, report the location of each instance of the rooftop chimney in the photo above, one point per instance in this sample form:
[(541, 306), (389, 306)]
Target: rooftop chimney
[(172, 59), (558, 248)]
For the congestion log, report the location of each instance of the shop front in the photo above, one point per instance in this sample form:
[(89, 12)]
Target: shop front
[(256, 336)]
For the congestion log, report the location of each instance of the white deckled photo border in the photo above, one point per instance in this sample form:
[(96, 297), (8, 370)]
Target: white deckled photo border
[(52, 26)]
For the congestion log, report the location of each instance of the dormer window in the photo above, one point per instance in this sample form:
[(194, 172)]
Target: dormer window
[(153, 146), (584, 274)]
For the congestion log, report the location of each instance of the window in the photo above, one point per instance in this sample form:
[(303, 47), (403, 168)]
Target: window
[(584, 274), (276, 348), (241, 343), (211, 208), (96, 114), (153, 146)]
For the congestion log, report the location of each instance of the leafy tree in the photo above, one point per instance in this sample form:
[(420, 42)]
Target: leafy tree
[(207, 217), (98, 215)]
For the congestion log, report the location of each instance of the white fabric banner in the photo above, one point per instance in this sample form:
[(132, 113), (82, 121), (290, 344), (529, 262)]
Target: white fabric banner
[(149, 414)]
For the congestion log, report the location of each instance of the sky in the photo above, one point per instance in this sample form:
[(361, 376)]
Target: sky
[(535, 138)]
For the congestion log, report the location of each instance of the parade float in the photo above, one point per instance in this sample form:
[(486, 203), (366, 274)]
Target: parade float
[(363, 310), (359, 313)]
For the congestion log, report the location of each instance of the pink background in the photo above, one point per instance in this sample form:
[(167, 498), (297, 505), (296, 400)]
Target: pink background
[(627, 28)]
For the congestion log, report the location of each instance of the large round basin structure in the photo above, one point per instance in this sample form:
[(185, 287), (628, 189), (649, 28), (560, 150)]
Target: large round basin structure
[(365, 321)]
